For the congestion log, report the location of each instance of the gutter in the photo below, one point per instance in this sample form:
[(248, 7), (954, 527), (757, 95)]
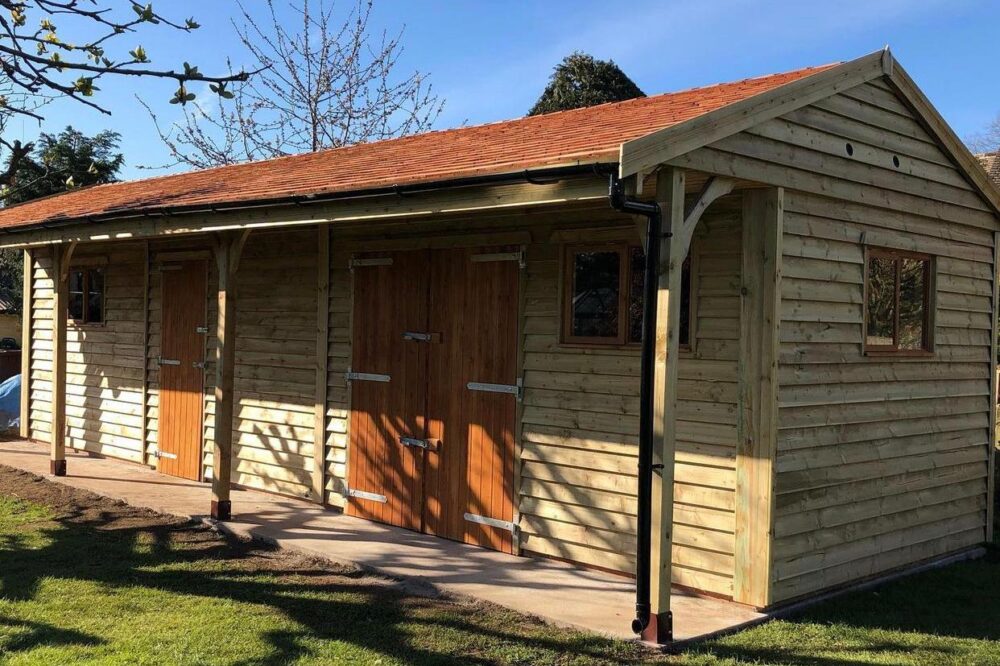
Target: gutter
[(654, 232), (533, 176)]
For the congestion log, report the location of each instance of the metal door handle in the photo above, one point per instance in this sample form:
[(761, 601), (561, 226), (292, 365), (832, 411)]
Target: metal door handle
[(412, 336), (425, 444)]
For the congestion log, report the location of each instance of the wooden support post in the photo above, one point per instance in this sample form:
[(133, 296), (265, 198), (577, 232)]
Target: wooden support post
[(144, 420), (27, 317), (991, 478), (670, 196), (61, 258), (228, 250), (760, 314), (322, 362)]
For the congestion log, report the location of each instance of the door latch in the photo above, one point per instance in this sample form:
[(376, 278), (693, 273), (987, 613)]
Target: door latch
[(425, 444), (200, 365), (412, 336)]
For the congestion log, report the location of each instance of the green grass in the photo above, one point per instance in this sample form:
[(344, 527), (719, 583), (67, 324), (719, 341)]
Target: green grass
[(88, 580)]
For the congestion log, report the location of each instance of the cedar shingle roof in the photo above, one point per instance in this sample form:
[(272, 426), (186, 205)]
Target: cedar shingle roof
[(991, 162), (580, 136)]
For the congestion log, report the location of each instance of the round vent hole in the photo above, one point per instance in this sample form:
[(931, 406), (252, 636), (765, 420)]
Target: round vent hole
[(849, 148), (895, 161)]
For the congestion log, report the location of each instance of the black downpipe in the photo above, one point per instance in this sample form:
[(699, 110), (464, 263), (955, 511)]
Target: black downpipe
[(654, 232)]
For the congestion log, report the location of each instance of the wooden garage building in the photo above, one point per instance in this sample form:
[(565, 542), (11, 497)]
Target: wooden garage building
[(441, 331)]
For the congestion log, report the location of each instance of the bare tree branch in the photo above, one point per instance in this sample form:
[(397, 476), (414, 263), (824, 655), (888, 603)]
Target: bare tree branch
[(325, 83), (38, 62)]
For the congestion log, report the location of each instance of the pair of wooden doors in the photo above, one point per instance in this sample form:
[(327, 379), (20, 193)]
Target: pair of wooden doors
[(181, 364), (434, 392)]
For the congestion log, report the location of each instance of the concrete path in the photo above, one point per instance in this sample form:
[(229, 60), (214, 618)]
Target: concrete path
[(558, 592)]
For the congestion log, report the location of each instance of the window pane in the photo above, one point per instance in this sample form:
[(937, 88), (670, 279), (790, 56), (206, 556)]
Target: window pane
[(637, 278), (95, 297), (912, 303), (596, 289), (76, 282), (75, 306), (881, 301)]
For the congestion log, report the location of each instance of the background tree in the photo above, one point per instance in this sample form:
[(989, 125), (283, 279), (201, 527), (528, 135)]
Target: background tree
[(988, 140), (324, 83), (64, 161), (40, 61), (581, 80), (59, 163)]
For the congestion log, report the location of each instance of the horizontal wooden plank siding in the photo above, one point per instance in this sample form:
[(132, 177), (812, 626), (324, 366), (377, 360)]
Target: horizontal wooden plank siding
[(881, 462), (339, 360), (40, 320), (103, 361), (581, 416), (275, 385)]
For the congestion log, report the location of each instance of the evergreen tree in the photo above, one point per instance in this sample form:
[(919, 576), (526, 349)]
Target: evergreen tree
[(581, 80), (58, 163)]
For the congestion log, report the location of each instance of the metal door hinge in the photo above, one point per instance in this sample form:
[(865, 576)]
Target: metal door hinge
[(361, 494), (366, 377), (374, 261), (516, 390), (492, 522), (518, 256), (164, 454), (167, 361)]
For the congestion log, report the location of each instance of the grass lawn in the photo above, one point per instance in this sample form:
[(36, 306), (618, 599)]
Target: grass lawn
[(88, 580)]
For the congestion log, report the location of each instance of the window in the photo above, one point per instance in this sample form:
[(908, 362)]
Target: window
[(86, 296), (603, 295), (897, 302)]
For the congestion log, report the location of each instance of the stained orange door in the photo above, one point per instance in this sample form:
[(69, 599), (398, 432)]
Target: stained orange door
[(181, 367), (472, 401), (388, 388)]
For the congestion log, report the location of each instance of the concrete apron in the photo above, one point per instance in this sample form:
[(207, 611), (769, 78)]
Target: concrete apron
[(557, 592)]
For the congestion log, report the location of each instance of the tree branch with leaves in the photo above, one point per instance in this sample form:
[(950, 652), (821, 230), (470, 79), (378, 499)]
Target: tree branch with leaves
[(40, 62), (327, 82)]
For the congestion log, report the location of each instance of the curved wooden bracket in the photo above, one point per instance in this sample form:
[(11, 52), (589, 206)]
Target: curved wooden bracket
[(714, 188), (65, 259)]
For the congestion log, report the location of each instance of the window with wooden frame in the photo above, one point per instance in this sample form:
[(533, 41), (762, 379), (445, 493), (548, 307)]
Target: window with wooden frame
[(898, 304), (86, 295), (603, 295)]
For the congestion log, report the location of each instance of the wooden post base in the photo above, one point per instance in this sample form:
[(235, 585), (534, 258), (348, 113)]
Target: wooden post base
[(57, 467), (222, 510), (660, 629)]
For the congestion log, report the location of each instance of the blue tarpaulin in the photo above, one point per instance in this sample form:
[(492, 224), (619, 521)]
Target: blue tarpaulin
[(10, 403)]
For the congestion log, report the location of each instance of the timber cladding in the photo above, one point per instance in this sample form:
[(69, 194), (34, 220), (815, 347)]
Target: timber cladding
[(104, 362), (881, 462), (580, 422)]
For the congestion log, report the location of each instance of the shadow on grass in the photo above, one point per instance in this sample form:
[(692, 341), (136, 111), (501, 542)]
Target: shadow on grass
[(119, 547), (932, 617)]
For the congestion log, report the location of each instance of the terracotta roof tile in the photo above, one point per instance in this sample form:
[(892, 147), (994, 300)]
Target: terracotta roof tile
[(579, 136)]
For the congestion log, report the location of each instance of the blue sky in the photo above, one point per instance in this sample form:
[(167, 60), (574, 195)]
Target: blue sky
[(490, 60)]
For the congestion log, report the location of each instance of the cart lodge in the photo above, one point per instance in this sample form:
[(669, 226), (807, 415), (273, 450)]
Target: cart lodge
[(444, 332)]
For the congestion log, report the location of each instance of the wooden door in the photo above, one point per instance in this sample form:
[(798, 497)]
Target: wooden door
[(388, 388), (181, 366), (472, 402)]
